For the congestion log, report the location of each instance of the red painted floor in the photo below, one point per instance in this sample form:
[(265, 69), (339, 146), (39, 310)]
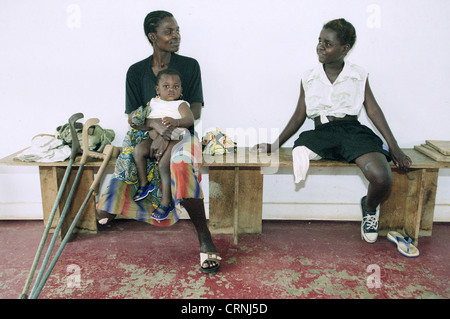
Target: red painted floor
[(132, 260)]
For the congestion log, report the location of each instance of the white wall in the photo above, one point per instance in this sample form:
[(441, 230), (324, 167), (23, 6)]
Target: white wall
[(60, 57)]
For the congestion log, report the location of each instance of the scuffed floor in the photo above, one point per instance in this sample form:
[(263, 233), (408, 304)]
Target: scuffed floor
[(288, 260)]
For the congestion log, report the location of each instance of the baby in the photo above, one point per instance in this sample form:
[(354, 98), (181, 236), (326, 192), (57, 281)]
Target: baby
[(172, 112)]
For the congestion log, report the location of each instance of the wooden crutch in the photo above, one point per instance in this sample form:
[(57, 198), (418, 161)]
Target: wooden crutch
[(76, 149), (108, 152)]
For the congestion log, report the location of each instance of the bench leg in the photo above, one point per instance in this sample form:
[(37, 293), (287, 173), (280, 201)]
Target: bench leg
[(236, 206), (409, 207), (235, 200), (51, 177), (429, 201)]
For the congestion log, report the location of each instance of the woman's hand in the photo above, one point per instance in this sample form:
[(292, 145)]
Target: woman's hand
[(130, 119), (140, 127), (135, 126), (401, 160), (158, 147)]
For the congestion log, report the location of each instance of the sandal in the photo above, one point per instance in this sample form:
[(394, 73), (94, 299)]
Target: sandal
[(165, 212), (210, 257), (103, 218), (143, 192), (404, 245)]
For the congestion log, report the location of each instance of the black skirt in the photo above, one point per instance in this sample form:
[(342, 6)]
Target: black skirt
[(342, 140)]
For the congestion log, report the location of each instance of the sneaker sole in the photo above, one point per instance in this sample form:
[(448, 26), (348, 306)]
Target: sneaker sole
[(365, 238), (143, 196)]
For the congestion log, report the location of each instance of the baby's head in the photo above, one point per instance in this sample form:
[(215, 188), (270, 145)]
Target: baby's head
[(168, 85)]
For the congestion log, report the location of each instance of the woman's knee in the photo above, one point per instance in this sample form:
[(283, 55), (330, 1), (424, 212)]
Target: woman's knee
[(383, 178), (377, 170)]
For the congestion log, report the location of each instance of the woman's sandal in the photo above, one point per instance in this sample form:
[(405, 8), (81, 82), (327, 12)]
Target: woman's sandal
[(165, 212), (210, 257), (404, 244), (143, 192), (103, 217)]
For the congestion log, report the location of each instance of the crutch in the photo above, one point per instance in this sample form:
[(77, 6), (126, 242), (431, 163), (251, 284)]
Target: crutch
[(75, 151), (108, 152), (61, 217)]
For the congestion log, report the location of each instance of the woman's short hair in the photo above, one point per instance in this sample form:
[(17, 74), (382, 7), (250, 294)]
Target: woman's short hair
[(153, 19), (345, 31)]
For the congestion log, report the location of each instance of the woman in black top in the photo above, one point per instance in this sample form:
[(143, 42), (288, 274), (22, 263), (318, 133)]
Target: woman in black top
[(163, 32)]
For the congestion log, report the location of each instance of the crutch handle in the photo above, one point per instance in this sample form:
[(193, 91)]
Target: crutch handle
[(86, 152), (108, 152), (76, 149)]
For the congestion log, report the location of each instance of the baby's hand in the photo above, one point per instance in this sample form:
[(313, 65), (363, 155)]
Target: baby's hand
[(169, 122)]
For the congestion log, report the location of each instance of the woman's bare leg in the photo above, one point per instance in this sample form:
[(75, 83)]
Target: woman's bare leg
[(378, 172), (196, 210)]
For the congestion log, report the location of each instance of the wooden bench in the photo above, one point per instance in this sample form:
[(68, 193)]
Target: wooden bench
[(51, 175), (236, 191)]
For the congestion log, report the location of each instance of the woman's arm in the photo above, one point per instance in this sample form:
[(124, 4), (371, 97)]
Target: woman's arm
[(376, 115), (159, 143), (294, 124), (145, 127), (196, 109)]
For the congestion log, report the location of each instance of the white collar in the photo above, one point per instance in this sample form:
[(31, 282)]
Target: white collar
[(348, 71)]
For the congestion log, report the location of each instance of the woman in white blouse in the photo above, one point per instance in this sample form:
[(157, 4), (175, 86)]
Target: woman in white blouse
[(333, 94)]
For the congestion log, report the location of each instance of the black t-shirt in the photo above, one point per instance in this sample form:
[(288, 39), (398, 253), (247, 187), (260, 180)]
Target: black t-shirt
[(141, 81)]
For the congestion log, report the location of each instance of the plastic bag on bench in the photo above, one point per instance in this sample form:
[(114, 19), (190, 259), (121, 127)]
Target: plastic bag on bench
[(217, 143), (45, 148), (98, 137)]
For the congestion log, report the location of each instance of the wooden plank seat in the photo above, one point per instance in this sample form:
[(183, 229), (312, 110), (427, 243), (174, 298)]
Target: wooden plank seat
[(409, 206), (236, 191)]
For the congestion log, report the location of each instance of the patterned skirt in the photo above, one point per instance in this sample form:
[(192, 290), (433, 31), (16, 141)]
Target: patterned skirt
[(185, 167)]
